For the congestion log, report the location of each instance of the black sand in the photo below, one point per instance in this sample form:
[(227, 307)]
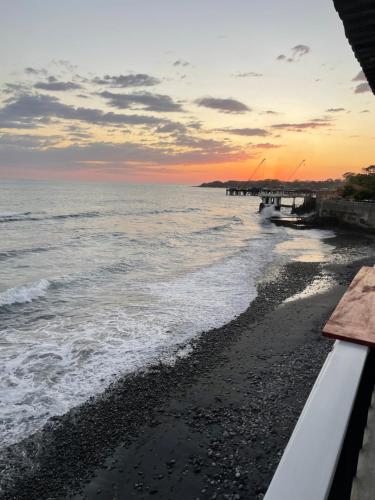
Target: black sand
[(212, 426)]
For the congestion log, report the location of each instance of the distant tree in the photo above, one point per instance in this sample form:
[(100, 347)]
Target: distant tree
[(360, 186), (348, 190), (348, 174), (370, 170)]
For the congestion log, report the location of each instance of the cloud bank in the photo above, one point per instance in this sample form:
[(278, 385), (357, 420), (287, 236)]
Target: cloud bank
[(223, 105), (299, 127), (144, 100), (124, 81), (28, 109), (247, 132)]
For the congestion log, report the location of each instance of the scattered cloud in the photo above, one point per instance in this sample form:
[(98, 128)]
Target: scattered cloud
[(35, 71), (203, 144), (365, 111), (126, 154), (362, 88), (247, 132), (15, 88), (181, 62), (300, 50), (296, 53), (52, 84), (266, 145), (335, 110), (143, 100), (124, 81), (247, 75), (155, 140), (28, 141), (24, 124), (299, 127), (67, 65), (171, 128), (25, 110), (223, 105), (360, 77), (80, 135)]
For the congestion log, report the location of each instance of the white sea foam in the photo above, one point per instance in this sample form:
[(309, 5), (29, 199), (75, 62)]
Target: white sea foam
[(24, 293), (117, 304), (321, 284), (66, 362), (310, 245), (268, 212)]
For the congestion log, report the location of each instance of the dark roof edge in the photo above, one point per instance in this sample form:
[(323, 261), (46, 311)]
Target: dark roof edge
[(358, 17)]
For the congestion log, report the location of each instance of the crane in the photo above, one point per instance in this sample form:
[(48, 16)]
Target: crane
[(256, 169), (295, 170)]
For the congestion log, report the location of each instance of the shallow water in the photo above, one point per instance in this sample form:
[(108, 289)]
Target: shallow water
[(101, 280)]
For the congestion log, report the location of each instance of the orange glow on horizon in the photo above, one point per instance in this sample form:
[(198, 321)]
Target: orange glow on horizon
[(190, 174), (326, 157)]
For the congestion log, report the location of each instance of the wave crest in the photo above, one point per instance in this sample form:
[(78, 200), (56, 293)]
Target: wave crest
[(29, 217), (24, 293)]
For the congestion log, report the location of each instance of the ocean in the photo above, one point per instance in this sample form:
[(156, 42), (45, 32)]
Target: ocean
[(101, 280)]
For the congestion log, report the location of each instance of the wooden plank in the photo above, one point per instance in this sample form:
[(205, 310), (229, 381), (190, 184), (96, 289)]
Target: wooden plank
[(353, 319)]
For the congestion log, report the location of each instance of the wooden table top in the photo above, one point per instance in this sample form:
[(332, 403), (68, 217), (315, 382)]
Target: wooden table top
[(354, 317)]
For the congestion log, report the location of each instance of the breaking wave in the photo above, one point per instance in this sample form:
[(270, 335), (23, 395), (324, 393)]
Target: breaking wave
[(24, 293), (107, 286), (233, 221), (10, 254), (29, 216), (34, 217), (168, 211)]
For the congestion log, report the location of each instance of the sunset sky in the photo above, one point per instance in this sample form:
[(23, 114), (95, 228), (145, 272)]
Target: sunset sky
[(180, 91)]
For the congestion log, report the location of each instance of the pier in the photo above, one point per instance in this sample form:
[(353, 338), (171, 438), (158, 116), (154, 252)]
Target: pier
[(274, 198), (239, 191)]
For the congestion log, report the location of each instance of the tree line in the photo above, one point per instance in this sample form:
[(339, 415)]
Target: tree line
[(360, 187), (277, 183)]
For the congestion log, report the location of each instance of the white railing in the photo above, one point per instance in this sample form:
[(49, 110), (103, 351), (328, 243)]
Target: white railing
[(309, 462)]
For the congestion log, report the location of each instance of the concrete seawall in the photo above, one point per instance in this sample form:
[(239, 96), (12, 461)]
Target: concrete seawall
[(354, 213)]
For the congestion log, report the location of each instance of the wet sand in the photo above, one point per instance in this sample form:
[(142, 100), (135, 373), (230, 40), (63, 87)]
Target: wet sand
[(214, 425)]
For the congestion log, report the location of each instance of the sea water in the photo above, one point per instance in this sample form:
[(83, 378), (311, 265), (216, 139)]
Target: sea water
[(101, 280)]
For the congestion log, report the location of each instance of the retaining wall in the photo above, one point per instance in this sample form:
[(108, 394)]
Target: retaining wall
[(355, 213)]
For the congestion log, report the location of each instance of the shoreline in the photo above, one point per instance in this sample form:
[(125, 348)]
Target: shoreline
[(214, 423)]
